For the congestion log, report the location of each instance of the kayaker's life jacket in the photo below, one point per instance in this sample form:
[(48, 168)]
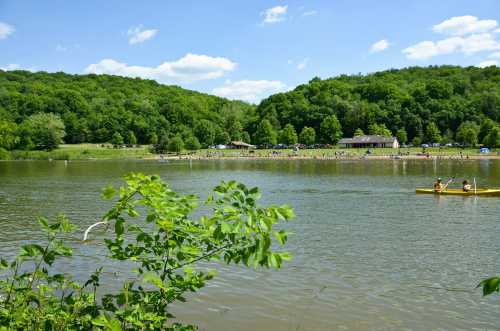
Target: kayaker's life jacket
[(438, 186)]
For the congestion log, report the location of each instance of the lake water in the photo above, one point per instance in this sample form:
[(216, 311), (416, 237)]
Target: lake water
[(369, 254)]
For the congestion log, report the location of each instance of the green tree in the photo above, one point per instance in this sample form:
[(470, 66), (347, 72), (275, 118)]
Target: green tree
[(307, 136), (416, 141), (131, 139), (486, 126), (379, 129), (44, 130), (245, 136), (432, 133), (493, 138), (117, 139), (467, 133), (265, 134), (235, 129), (402, 136), (8, 136), (205, 132), (153, 139), (222, 137), (331, 130), (288, 136), (176, 144), (358, 132), (192, 143)]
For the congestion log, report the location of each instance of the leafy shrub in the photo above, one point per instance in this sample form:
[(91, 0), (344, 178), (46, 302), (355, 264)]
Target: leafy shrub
[(4, 154), (163, 242)]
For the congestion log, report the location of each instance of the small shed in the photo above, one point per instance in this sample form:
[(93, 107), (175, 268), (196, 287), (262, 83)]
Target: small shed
[(373, 141), (239, 145)]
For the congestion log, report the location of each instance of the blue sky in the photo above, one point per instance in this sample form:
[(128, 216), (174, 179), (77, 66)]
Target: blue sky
[(245, 49)]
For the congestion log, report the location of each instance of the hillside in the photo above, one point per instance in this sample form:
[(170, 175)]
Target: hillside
[(95, 107), (425, 104), (433, 104)]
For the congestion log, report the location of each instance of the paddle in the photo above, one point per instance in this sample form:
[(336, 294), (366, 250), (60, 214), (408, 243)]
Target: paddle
[(446, 185), (475, 187)]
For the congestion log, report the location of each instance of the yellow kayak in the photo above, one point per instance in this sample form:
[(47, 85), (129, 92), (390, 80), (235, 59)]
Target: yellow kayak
[(457, 191)]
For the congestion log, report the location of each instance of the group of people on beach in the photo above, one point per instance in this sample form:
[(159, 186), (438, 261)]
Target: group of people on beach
[(439, 187)]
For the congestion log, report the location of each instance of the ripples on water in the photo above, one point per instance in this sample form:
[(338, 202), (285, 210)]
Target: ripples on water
[(368, 252)]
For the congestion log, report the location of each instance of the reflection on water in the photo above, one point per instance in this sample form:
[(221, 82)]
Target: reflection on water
[(368, 252)]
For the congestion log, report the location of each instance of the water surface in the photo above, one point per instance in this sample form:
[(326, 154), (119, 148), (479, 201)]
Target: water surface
[(368, 252)]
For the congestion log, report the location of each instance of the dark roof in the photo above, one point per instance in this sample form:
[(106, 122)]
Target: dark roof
[(368, 140)]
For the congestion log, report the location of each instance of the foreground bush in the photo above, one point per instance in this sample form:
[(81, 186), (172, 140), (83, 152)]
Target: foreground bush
[(153, 229)]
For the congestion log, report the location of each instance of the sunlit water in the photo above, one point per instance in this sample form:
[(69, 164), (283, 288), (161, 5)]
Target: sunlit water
[(369, 254)]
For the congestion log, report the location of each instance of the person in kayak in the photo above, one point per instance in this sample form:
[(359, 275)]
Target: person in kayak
[(438, 185), (466, 187)]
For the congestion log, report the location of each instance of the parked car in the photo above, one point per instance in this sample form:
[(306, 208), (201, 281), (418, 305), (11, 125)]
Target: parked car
[(424, 145)]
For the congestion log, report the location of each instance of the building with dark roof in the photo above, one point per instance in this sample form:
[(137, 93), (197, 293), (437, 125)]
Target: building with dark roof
[(369, 142)]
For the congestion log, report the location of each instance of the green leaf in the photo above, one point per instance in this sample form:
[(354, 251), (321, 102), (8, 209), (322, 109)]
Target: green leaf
[(43, 223), (31, 250), (226, 227), (3, 263), (490, 285), (119, 228), (108, 193)]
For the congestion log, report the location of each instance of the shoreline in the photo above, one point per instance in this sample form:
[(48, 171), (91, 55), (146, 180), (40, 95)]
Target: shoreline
[(324, 158)]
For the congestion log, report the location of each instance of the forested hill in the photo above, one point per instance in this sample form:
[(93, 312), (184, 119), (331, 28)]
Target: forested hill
[(432, 104), (96, 107)]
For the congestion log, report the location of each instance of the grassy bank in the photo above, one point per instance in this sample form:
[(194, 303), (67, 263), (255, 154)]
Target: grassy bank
[(83, 152), (102, 152), (342, 153)]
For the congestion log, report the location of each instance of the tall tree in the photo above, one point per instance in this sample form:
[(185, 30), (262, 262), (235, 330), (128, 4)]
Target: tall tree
[(288, 136), (265, 134), (331, 130), (402, 136), (467, 133), (358, 132), (307, 136), (43, 130), (432, 133)]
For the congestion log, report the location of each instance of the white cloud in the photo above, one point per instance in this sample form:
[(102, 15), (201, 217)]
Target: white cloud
[(249, 90), (467, 45), (137, 35), (488, 63), (302, 64), (495, 55), (6, 30), (496, 31), (274, 15), (310, 13), (462, 25), (11, 66), (189, 68), (379, 46)]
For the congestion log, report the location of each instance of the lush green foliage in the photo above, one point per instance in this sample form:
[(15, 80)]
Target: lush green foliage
[(307, 136), (153, 230), (265, 135), (43, 131), (407, 99), (427, 103), (95, 107), (288, 136)]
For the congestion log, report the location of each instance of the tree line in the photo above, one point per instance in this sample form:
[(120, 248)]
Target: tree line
[(437, 104), (41, 110)]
